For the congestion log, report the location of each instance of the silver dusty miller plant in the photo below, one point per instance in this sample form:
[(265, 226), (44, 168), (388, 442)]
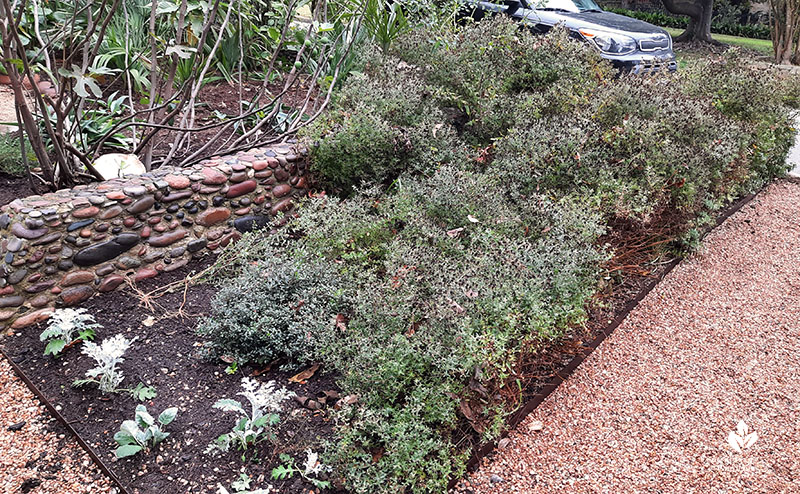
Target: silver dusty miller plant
[(105, 375), (67, 327), (108, 355), (253, 427)]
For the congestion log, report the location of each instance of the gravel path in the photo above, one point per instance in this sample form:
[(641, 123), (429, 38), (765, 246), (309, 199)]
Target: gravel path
[(39, 458), (718, 341)]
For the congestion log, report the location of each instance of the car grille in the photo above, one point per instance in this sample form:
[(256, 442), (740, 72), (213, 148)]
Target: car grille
[(657, 42)]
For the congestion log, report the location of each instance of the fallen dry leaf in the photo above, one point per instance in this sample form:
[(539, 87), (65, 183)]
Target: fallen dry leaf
[(266, 368), (455, 232), (466, 410), (301, 377), (341, 322), (350, 400), (536, 426)]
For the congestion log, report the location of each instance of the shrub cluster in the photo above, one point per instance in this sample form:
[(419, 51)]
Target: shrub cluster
[(273, 308), (11, 161), (493, 161), (436, 93)]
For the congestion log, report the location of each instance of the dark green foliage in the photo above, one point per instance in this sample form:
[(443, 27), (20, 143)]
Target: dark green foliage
[(382, 123), (490, 69), (641, 146), (447, 277), (11, 156), (404, 112), (273, 308)]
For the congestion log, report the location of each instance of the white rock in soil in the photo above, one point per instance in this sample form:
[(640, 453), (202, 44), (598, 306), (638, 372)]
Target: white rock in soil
[(115, 165)]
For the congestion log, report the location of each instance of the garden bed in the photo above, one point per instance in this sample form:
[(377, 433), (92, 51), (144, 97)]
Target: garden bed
[(166, 356)]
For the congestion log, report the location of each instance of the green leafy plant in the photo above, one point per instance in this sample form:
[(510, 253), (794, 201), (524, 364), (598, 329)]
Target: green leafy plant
[(385, 22), (309, 471), (67, 327), (256, 425), (11, 161), (143, 431)]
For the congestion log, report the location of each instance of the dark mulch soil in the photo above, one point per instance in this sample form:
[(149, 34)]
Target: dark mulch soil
[(222, 98), (12, 187), (167, 355)]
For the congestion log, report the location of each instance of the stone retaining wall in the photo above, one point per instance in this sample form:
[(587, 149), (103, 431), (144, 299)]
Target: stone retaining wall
[(59, 249)]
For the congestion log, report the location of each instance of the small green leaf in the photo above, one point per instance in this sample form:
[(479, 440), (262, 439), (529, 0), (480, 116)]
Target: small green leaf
[(320, 484), (281, 472), (168, 415), (143, 418), (127, 450), (54, 347), (123, 438), (86, 334), (159, 435), (143, 393)]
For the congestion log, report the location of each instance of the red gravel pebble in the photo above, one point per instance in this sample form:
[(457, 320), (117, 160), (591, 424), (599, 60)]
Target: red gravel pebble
[(716, 342), (39, 455)]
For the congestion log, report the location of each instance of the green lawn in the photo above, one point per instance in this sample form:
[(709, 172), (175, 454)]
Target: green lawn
[(761, 45)]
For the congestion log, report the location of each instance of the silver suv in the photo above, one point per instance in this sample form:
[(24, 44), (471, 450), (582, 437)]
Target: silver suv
[(631, 45)]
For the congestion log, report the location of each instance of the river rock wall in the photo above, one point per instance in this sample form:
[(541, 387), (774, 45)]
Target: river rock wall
[(61, 248)]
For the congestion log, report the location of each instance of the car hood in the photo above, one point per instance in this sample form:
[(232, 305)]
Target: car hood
[(613, 21)]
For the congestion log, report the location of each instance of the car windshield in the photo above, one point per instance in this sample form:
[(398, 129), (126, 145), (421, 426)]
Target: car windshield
[(566, 5)]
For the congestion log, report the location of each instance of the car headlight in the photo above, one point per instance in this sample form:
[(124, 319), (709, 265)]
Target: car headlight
[(611, 43)]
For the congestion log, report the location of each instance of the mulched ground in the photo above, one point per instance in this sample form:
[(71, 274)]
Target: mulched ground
[(650, 411), (168, 356), (12, 187), (221, 98)]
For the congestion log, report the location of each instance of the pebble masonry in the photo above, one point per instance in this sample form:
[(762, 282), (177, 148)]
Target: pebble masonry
[(60, 248)]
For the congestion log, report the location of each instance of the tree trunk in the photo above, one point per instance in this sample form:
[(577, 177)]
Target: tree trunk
[(785, 18), (699, 13)]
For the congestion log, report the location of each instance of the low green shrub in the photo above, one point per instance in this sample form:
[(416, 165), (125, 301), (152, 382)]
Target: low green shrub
[(382, 123), (642, 146), (11, 156), (448, 277), (489, 70), (436, 93), (273, 308)]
